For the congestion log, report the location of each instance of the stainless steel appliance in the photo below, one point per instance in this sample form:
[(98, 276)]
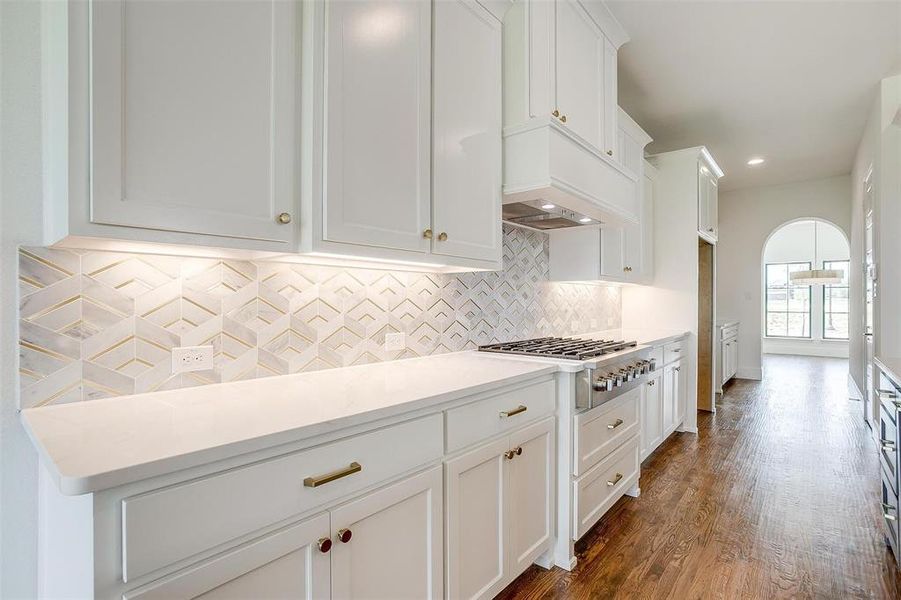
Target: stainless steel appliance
[(609, 367)]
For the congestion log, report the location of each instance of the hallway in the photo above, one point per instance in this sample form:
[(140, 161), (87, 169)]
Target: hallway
[(776, 498)]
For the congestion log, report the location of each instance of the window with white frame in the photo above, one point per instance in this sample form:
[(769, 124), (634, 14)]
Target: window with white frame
[(787, 305), (835, 303)]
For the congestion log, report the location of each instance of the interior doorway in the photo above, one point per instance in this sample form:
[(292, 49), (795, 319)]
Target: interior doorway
[(706, 319)]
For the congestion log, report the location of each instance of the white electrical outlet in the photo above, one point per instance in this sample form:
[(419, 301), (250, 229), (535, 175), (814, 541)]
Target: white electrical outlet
[(395, 341), (192, 358)]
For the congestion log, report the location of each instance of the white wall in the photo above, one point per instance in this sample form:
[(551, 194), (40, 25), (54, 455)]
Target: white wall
[(20, 198), (746, 219)]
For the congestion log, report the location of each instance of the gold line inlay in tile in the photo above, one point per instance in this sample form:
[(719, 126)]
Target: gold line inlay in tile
[(31, 282), (42, 350), (45, 262), (58, 394)]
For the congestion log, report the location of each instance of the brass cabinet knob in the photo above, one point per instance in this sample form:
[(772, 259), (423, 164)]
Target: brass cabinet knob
[(518, 450), (609, 152), (442, 237), (509, 454), (344, 535), (556, 113), (284, 218), (563, 118), (652, 382), (324, 545), (427, 234)]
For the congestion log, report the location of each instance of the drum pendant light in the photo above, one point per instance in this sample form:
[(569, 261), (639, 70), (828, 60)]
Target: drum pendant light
[(816, 276)]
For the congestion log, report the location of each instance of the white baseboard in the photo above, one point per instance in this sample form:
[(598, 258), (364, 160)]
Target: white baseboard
[(827, 348), (854, 392), (755, 373)]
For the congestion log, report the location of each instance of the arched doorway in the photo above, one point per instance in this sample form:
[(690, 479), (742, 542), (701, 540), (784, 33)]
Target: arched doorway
[(811, 320)]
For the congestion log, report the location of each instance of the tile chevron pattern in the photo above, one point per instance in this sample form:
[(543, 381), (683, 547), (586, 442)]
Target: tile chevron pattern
[(99, 324)]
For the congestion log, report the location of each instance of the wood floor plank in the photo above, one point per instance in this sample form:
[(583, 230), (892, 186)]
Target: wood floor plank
[(776, 497)]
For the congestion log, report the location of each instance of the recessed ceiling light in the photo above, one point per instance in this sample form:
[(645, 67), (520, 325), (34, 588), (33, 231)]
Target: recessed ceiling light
[(548, 206), (585, 220), (755, 161)]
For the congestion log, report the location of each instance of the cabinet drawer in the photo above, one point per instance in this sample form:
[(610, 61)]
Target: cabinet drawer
[(484, 418), (888, 446), (599, 431), (888, 395), (673, 351), (596, 491), (165, 526)]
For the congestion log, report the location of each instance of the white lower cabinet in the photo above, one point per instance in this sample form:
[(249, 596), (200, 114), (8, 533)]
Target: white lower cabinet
[(394, 547), (286, 564), (652, 414), (673, 401), (499, 504)]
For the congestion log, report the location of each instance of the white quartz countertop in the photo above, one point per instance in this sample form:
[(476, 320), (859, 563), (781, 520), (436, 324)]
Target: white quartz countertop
[(99, 444), (891, 366)]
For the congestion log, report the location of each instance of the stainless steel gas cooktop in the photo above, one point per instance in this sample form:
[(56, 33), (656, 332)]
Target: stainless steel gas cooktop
[(557, 347)]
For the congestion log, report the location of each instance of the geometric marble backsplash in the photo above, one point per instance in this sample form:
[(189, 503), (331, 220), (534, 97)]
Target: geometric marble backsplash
[(99, 324)]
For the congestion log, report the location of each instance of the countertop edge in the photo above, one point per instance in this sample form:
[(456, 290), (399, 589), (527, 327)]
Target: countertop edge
[(884, 364), (73, 484)]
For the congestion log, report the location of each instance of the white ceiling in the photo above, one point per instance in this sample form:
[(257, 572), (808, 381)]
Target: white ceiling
[(792, 81)]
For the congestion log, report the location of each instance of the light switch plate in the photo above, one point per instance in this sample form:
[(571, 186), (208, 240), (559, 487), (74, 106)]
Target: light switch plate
[(395, 341), (192, 358)]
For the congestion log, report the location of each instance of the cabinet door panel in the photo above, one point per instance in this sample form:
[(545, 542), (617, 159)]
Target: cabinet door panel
[(712, 205), (285, 564), (580, 73), (395, 550), (670, 380), (647, 226), (612, 252), (377, 123), (703, 200), (652, 414), (632, 259), (679, 395), (530, 494), (466, 177), (199, 137), (476, 521)]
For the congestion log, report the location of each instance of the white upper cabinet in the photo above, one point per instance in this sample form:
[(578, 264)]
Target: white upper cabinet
[(560, 109), (376, 120), (466, 130), (580, 93), (357, 129), (408, 97), (708, 175), (182, 118)]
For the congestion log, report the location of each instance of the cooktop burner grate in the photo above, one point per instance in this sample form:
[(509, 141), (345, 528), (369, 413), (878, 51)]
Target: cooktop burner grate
[(557, 347)]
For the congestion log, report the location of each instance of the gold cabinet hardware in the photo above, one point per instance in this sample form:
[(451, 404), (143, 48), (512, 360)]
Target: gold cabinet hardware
[(509, 454), (324, 544), (563, 118), (886, 394), (887, 507), (518, 450), (556, 113), (710, 229), (625, 269), (344, 535), (677, 368), (615, 424), (352, 468), (615, 480), (442, 237), (652, 382), (609, 152), (283, 218), (515, 411), (427, 234), (887, 444)]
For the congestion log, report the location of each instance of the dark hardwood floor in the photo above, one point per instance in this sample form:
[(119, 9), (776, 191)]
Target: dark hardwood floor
[(777, 497)]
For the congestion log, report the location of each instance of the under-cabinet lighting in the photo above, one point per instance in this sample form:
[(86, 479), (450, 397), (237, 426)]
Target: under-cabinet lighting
[(548, 206), (755, 161), (585, 220)]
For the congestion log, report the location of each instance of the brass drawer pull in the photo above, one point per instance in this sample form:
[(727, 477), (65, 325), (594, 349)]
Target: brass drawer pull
[(887, 444), (354, 467), (615, 479), (615, 424), (886, 507), (515, 411), (886, 394)]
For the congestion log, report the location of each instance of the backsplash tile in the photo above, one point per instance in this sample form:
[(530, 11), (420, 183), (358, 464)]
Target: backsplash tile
[(99, 324)]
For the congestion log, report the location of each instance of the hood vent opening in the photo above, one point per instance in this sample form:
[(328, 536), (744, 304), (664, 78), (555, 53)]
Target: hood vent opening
[(540, 214)]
